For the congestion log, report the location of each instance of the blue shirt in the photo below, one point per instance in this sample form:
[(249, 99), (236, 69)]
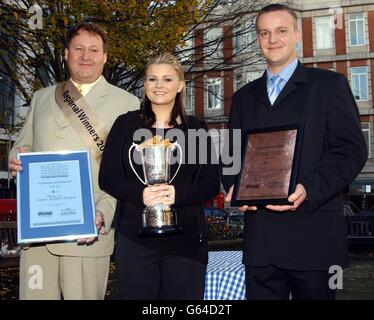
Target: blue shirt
[(285, 74)]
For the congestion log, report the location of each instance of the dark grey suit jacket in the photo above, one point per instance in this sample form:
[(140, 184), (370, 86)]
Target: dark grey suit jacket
[(333, 153)]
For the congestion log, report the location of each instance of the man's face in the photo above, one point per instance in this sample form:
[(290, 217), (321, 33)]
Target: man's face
[(277, 36), (85, 57)]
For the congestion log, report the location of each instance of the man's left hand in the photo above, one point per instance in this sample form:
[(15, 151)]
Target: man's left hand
[(99, 220), (297, 198)]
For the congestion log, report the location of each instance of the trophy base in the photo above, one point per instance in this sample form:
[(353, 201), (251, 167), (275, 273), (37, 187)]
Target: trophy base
[(159, 220), (165, 230)]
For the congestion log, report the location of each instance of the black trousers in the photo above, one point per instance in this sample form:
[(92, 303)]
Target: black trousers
[(273, 283), (146, 274)]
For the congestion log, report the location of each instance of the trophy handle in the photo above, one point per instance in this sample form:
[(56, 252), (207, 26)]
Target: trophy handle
[(134, 145), (180, 160)]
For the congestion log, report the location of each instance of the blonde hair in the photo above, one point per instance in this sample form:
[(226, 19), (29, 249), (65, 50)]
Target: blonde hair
[(179, 108)]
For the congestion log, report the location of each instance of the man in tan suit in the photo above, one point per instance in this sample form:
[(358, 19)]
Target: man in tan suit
[(78, 270)]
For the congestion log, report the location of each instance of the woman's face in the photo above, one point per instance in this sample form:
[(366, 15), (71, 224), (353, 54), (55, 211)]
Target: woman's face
[(162, 84)]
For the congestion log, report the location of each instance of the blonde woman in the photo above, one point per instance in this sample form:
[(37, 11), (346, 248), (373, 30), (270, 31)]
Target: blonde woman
[(160, 267)]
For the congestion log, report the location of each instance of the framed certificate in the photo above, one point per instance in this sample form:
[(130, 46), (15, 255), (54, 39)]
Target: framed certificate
[(54, 197), (269, 168)]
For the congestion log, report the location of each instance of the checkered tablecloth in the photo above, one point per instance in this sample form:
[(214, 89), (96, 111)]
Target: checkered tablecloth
[(225, 277)]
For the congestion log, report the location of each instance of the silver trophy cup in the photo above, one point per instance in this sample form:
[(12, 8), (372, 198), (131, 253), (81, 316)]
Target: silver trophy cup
[(160, 218)]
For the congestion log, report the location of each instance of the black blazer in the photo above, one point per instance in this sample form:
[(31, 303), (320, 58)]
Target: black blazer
[(194, 184), (333, 153)]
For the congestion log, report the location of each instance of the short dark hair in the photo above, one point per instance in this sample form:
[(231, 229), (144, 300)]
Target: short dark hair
[(91, 28), (276, 7)]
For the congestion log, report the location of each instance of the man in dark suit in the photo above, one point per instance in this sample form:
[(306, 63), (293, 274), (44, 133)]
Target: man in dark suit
[(288, 249)]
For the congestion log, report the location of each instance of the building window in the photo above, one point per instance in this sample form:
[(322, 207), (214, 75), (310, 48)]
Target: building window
[(298, 44), (244, 38), (359, 83), (323, 32), (237, 39), (186, 51), (189, 96), (365, 126), (212, 43), (253, 75), (217, 136), (214, 93), (238, 82), (3, 155), (356, 29), (251, 36)]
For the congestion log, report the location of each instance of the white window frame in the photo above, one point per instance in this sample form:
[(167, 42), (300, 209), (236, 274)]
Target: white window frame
[(359, 75), (190, 97), (237, 39), (250, 35), (244, 38), (253, 75), (209, 92), (298, 44), (356, 21), (237, 82), (218, 136), (318, 21), (213, 50), (187, 51), (367, 134)]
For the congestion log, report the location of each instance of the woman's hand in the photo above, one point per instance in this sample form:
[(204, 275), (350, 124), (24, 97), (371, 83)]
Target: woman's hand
[(159, 194)]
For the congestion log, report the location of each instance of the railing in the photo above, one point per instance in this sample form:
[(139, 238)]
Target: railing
[(226, 229), (361, 228)]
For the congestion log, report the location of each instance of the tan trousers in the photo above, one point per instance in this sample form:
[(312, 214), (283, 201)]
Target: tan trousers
[(44, 276)]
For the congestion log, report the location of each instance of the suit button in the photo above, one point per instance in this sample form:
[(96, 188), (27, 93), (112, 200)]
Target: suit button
[(60, 137)]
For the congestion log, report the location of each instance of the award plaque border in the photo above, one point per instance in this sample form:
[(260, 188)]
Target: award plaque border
[(295, 166), (25, 233)]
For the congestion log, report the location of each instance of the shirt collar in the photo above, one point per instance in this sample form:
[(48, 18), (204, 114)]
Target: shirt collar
[(286, 73), (86, 87)]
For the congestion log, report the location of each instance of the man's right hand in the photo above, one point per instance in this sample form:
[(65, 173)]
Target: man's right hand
[(15, 164), (242, 208)]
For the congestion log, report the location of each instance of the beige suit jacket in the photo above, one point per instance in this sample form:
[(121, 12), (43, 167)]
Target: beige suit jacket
[(46, 129)]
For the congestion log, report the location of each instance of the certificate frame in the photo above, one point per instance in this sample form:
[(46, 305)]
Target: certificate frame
[(79, 207), (240, 196)]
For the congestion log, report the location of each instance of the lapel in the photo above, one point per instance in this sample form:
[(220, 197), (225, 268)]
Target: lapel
[(95, 98), (299, 76), (261, 92)]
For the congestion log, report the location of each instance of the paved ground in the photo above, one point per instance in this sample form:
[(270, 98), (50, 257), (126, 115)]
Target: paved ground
[(358, 280)]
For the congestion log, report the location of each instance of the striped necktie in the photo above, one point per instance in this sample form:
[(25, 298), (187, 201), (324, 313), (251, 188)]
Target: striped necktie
[(275, 88)]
